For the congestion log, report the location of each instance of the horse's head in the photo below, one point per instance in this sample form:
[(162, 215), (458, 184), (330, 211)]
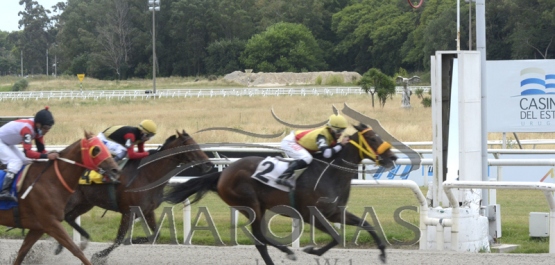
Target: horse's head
[(371, 146), (192, 152), (96, 156)]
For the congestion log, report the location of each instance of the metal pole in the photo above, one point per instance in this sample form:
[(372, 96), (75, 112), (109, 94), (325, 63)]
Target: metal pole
[(481, 47), (470, 25), (153, 50), (56, 65), (21, 63), (458, 25), (46, 61)]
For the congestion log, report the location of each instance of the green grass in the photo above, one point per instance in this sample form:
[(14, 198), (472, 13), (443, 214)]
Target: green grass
[(515, 209)]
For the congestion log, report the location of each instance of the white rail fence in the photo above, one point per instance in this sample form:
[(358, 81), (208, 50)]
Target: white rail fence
[(425, 221), (188, 93)]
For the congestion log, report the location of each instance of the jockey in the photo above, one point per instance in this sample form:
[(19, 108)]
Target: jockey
[(23, 131), (300, 145), (121, 140)]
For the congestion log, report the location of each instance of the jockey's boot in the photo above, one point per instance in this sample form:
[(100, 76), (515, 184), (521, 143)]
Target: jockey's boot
[(5, 194), (286, 178)]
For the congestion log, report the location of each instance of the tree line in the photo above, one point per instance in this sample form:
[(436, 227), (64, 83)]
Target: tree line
[(112, 39)]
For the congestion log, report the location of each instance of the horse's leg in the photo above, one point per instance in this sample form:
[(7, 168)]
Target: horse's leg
[(263, 249), (58, 232), (122, 230), (70, 216), (30, 239), (324, 249), (151, 222), (350, 219)]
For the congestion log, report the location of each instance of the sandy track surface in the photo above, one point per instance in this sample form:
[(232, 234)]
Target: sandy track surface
[(42, 253)]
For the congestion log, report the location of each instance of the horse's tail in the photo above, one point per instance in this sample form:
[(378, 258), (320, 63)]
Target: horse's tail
[(199, 186)]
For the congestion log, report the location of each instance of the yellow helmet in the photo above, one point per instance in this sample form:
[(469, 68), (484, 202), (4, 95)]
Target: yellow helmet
[(148, 126), (337, 122)]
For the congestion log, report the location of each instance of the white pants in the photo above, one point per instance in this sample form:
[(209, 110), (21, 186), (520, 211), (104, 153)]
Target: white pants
[(295, 150), (13, 157), (117, 150)]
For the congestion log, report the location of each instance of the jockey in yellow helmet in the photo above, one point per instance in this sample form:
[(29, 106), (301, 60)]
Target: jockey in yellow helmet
[(121, 140), (301, 145)]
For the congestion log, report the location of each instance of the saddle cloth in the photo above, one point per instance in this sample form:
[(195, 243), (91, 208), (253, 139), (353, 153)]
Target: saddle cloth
[(269, 170), (16, 186)]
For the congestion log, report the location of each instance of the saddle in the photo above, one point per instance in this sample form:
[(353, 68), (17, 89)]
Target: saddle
[(269, 170)]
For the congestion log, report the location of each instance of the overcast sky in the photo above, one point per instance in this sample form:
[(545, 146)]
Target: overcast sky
[(9, 9)]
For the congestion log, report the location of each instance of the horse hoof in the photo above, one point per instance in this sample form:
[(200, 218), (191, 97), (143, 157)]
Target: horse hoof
[(58, 249), (382, 258), (83, 245), (98, 259), (309, 249), (292, 256)]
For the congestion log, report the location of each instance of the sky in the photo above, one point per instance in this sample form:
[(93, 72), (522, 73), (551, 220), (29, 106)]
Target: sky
[(9, 20)]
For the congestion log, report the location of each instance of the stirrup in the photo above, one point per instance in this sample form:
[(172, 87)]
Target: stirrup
[(284, 182), (7, 196)]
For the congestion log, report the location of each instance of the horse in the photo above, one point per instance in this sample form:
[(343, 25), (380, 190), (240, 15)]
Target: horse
[(48, 187), (325, 186), (88, 196)]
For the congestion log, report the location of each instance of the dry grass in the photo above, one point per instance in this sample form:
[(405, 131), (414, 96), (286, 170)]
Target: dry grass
[(49, 83), (251, 114), (192, 114)]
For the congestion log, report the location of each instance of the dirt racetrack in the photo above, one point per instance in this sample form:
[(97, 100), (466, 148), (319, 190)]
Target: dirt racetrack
[(42, 253)]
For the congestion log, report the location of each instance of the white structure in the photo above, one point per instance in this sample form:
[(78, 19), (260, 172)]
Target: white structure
[(456, 105)]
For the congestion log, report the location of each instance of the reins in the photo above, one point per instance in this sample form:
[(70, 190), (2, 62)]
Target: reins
[(60, 178)]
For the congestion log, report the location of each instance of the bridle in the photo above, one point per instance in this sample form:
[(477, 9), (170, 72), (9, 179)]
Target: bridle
[(90, 161), (365, 150)]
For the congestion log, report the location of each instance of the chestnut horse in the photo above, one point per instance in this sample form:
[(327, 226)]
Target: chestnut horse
[(88, 196), (52, 183), (324, 185)]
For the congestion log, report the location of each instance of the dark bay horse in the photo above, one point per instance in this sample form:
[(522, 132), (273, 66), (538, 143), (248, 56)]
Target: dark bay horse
[(88, 196), (42, 210), (324, 186)]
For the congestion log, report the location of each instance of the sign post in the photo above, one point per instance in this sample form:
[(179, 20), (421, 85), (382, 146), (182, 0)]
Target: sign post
[(81, 77)]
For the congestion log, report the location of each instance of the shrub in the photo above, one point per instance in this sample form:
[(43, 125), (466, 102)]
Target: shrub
[(20, 85), (427, 102), (419, 92), (318, 80), (335, 80)]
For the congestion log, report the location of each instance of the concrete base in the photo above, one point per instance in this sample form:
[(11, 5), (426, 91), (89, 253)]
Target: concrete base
[(503, 248), (473, 230)]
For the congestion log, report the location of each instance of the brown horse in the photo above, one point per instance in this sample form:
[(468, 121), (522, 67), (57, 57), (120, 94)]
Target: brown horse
[(322, 186), (88, 196), (42, 210)]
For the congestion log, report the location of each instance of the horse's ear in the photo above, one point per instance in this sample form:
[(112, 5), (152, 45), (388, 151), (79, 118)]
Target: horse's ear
[(88, 135), (178, 134)]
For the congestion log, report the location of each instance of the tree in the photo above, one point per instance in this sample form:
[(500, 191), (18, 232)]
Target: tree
[(383, 85), (283, 47), (223, 56), (114, 37), (36, 37)]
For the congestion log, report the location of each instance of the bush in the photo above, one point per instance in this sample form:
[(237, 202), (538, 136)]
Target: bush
[(20, 85), (427, 102), (419, 92), (318, 80), (335, 80)]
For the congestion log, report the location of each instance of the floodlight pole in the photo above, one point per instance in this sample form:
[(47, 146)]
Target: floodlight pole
[(154, 5)]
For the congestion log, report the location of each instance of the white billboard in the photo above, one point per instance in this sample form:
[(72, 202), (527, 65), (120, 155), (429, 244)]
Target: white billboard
[(520, 96)]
